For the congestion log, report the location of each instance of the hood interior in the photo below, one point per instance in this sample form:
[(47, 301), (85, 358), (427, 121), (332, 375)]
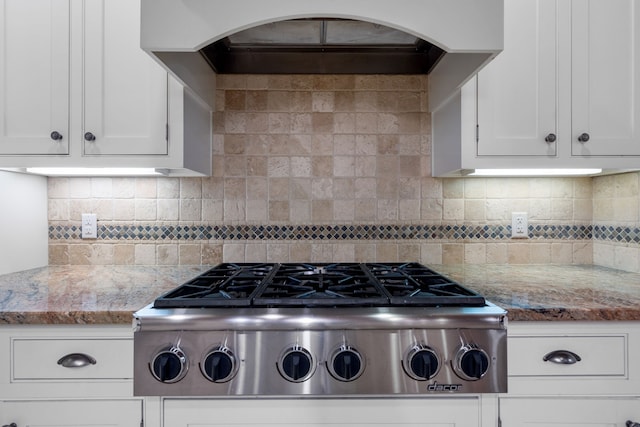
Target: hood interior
[(321, 46)]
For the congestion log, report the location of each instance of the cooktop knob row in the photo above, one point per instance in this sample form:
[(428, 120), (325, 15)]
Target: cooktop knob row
[(297, 364)]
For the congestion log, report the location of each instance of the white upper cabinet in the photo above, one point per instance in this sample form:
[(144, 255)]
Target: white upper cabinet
[(565, 92), (34, 77), (125, 91), (605, 84), (76, 90)]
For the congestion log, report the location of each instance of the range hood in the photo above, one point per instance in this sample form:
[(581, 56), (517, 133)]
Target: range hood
[(448, 39)]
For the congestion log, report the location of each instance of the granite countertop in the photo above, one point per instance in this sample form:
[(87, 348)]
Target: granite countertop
[(110, 294)]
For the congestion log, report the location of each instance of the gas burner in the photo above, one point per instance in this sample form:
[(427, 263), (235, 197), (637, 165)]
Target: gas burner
[(319, 284)]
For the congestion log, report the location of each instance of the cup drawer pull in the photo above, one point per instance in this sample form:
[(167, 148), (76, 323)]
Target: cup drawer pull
[(76, 360), (562, 357)]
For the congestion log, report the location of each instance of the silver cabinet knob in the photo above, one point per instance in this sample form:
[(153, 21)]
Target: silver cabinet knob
[(56, 136), (89, 137), (550, 138)]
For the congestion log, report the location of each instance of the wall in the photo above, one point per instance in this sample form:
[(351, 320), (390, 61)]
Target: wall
[(23, 222), (321, 168)]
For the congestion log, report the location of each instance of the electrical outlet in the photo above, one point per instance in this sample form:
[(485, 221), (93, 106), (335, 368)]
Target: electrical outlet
[(89, 226), (519, 225)]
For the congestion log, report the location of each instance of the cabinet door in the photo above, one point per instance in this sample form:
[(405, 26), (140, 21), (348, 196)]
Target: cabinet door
[(566, 412), (435, 412), (606, 77), (81, 413), (34, 76), (125, 91), (517, 92)]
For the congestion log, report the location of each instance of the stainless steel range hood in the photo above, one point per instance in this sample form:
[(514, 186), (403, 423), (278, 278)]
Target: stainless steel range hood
[(448, 39)]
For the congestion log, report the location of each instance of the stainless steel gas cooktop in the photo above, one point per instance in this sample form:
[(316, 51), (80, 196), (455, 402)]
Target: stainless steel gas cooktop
[(342, 329)]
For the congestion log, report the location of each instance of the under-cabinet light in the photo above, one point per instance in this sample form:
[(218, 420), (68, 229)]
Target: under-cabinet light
[(534, 172), (95, 171)]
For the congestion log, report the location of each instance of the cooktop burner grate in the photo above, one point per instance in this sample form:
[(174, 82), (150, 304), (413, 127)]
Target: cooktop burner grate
[(319, 284)]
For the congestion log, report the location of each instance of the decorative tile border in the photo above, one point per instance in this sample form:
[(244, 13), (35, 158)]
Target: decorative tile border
[(617, 233), (341, 232)]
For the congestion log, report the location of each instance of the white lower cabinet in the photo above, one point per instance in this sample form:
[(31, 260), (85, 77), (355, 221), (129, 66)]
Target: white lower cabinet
[(569, 411), (85, 413), (572, 374), (430, 412)]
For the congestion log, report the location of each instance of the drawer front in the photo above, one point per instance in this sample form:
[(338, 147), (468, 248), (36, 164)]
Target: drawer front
[(38, 359), (600, 356)]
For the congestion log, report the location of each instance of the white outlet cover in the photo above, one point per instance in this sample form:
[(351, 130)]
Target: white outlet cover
[(519, 225), (89, 226)]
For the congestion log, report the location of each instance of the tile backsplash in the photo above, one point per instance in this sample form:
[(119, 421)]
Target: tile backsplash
[(337, 168)]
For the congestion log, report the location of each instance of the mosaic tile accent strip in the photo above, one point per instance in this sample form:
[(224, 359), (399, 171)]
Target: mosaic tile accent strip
[(617, 234), (339, 232)]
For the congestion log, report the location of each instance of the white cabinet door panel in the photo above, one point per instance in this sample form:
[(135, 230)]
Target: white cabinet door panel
[(606, 77), (125, 91), (34, 76), (435, 412), (517, 91)]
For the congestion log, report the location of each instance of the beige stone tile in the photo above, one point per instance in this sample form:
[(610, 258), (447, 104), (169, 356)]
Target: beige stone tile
[(388, 123), (257, 188), (301, 101), (322, 144), (409, 210), (57, 188), (301, 166), (146, 209), (519, 253), (300, 252), (453, 188), (124, 254), (145, 254), (365, 209), (431, 253), (626, 185), (212, 210), (167, 210), (387, 252), (561, 209), (583, 210), (475, 253), (603, 254), (497, 188), (322, 252), (474, 210), (234, 210), (301, 123), (562, 253), (233, 252), (322, 122), (256, 100), (279, 189), (387, 188), (540, 253), (278, 167), (167, 254), (58, 254), (625, 209), (257, 122), (300, 189), (498, 210), (410, 166), (409, 252), (366, 145), (452, 253), (344, 166), (496, 253), (300, 211), (344, 210), (364, 252), (453, 209), (190, 210), (279, 123), (235, 188), (279, 210), (322, 101), (344, 101), (582, 253), (322, 210), (432, 188), (409, 188), (344, 145), (626, 258), (366, 123), (213, 188), (189, 254), (277, 252), (540, 210), (257, 211), (322, 188), (211, 253), (124, 209), (58, 210), (79, 188), (431, 209), (79, 206), (103, 187), (256, 252), (166, 188), (344, 252), (387, 165), (387, 210)]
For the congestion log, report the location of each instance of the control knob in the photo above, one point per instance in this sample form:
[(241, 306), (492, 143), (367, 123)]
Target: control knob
[(346, 363), (296, 364), (471, 363), (421, 363), (169, 365), (219, 365)]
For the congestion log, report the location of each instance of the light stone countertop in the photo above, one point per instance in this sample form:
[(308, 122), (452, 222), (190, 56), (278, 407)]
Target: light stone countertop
[(110, 294)]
